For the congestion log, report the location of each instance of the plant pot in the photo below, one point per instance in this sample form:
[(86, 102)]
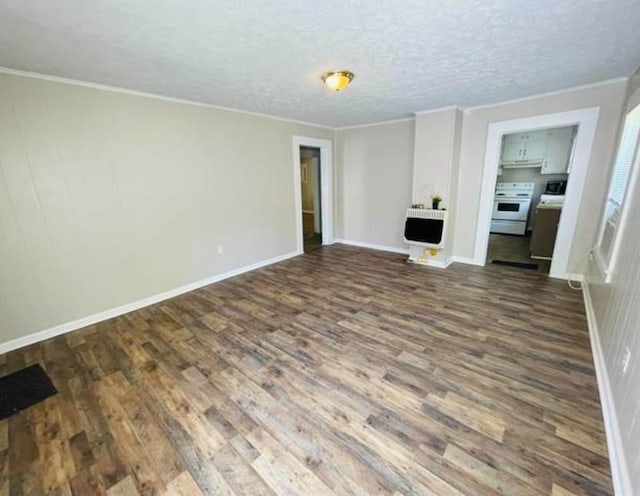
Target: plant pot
[(435, 204)]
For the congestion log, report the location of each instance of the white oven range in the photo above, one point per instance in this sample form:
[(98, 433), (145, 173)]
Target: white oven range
[(511, 205)]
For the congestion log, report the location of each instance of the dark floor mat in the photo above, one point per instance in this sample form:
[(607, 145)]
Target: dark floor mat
[(24, 388), (520, 265)]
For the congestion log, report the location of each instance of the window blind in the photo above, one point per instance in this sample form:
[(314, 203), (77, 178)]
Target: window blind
[(624, 158), (622, 166)]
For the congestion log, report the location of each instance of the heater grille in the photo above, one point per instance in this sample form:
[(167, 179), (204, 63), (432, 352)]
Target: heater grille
[(425, 213), (424, 227)]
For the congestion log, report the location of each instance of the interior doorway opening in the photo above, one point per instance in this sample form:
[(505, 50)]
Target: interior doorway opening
[(322, 222), (586, 121), (311, 197), (532, 177)]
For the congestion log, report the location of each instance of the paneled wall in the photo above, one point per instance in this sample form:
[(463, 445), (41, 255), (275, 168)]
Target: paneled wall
[(107, 198), (617, 312)]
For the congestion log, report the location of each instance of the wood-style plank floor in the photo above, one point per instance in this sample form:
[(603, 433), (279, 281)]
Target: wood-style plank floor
[(343, 371), (311, 239), (514, 248)]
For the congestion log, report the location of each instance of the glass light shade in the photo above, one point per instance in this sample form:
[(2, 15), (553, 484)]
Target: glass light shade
[(337, 80)]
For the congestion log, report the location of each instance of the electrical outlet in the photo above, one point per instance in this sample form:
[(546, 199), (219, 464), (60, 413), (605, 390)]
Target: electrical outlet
[(220, 249), (626, 358)]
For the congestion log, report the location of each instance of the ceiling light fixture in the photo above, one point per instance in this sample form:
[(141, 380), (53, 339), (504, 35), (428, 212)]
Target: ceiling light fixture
[(337, 80)]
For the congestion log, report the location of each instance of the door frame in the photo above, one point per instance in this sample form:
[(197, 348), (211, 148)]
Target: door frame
[(587, 120), (326, 188), (317, 192)]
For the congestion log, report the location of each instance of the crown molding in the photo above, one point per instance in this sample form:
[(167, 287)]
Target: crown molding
[(439, 109), (116, 89), (547, 94), (126, 91), (381, 123)]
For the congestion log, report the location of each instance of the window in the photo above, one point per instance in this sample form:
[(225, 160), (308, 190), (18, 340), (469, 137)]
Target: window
[(614, 209)]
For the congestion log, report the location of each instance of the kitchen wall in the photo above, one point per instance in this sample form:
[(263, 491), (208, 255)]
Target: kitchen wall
[(617, 313), (374, 176), (533, 175), (530, 175), (107, 198), (608, 96)]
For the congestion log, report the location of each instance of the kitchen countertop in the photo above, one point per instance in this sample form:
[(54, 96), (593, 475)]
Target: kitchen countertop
[(550, 206)]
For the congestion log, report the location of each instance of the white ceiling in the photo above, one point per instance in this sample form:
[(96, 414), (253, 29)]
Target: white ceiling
[(267, 55)]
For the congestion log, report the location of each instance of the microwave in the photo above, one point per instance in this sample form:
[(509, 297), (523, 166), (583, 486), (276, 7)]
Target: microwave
[(555, 187)]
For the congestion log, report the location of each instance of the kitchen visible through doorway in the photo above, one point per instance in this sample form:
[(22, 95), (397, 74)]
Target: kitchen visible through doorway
[(533, 173)]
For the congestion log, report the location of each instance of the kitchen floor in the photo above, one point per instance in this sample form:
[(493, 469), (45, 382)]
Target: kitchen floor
[(513, 248)]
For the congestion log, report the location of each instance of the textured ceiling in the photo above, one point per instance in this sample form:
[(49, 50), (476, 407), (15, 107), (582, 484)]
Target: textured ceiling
[(267, 55)]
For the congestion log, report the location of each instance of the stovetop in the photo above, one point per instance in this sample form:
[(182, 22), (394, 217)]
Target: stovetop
[(514, 190)]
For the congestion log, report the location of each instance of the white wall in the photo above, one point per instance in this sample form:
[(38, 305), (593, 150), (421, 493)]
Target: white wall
[(609, 97), (617, 312), (107, 198), (454, 181), (368, 184), (435, 139), (374, 177), (371, 187), (436, 165)]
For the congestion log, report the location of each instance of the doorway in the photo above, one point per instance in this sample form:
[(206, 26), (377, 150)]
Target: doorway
[(586, 121), (533, 173), (313, 192), (310, 180)]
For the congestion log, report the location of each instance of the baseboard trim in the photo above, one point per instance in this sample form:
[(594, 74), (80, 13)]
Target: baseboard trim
[(444, 264), (619, 471), (373, 246), (466, 260), (74, 325), (574, 277), (440, 264), (404, 251)]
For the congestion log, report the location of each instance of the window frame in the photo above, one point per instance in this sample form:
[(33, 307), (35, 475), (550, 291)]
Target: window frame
[(619, 216)]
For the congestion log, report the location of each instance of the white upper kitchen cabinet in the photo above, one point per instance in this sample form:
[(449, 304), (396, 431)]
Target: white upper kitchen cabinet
[(512, 152), (549, 149), (535, 149), (523, 148), (559, 147)]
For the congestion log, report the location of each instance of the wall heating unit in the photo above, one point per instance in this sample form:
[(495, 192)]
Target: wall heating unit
[(425, 227)]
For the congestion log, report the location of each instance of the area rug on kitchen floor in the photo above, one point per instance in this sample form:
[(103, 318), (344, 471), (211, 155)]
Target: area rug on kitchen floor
[(24, 388), (521, 265)]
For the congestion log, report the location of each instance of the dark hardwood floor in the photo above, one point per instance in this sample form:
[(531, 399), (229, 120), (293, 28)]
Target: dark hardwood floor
[(312, 240), (514, 248), (343, 371)]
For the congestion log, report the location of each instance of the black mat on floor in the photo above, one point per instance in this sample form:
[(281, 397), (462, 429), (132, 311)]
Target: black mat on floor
[(521, 265), (24, 388)]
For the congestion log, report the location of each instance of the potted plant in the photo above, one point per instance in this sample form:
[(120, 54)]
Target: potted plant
[(435, 201)]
